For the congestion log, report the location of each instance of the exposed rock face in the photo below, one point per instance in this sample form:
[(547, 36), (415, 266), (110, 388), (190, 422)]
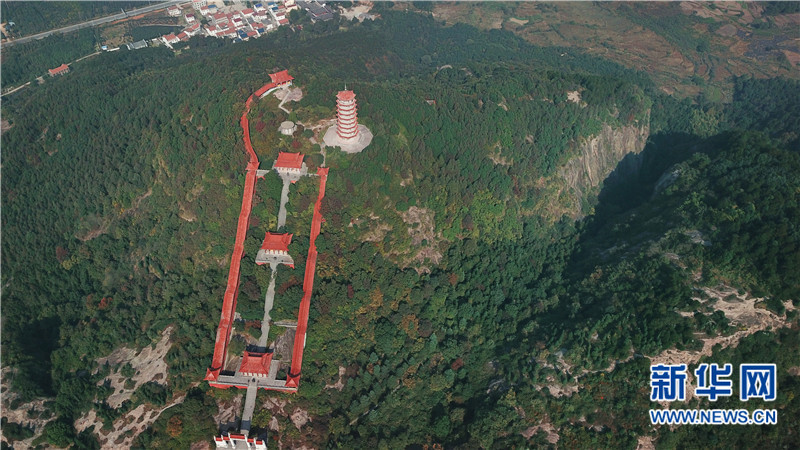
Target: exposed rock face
[(596, 159)]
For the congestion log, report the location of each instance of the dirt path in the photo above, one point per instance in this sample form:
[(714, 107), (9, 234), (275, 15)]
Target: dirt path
[(87, 56)]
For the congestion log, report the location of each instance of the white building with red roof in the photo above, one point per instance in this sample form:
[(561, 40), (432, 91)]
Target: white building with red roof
[(290, 5), (192, 30), (174, 11), (275, 250), (239, 441), (189, 18), (60, 70), (278, 14), (170, 38), (281, 78), (290, 163)]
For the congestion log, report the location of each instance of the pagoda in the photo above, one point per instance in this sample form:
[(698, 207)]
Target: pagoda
[(347, 134), (346, 115)]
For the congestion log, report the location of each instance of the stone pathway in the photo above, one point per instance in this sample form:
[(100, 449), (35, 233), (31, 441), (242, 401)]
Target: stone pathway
[(268, 302), (249, 406), (284, 199)]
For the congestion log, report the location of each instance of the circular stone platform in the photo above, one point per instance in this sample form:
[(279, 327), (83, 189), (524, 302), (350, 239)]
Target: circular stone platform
[(287, 128), (353, 145)]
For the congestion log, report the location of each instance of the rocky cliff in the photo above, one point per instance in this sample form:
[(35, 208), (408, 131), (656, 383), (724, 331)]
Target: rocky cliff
[(574, 187)]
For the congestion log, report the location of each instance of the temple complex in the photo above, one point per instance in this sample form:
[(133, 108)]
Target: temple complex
[(271, 361)]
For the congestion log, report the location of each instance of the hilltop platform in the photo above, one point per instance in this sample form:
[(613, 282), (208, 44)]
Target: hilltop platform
[(354, 145)]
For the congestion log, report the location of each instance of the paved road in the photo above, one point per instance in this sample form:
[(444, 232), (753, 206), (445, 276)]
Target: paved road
[(16, 89), (93, 22)]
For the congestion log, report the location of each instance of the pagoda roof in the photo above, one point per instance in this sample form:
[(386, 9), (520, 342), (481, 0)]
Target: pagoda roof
[(289, 160), (278, 242), (346, 95), (212, 375), (256, 363), (281, 77)]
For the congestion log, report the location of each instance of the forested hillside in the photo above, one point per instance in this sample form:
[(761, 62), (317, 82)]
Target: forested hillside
[(449, 309), (33, 17), (25, 62)]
